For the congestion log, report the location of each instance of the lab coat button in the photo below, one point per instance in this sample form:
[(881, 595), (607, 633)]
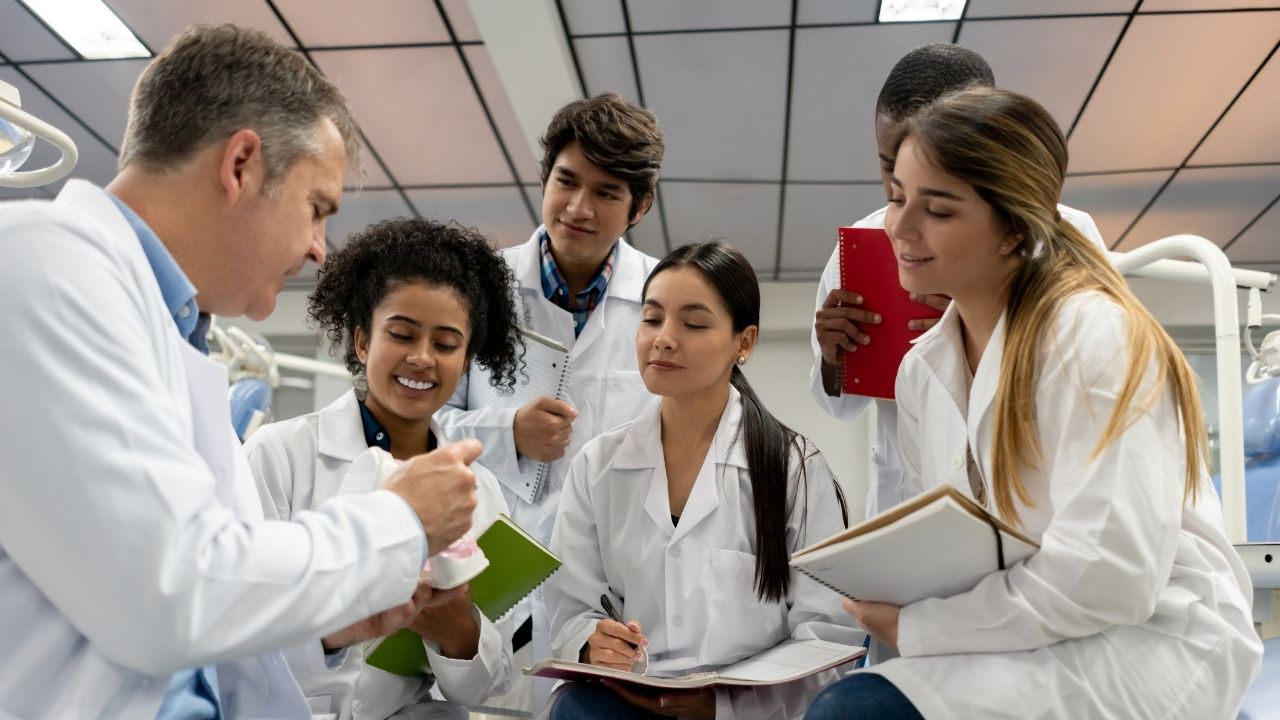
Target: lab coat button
[(677, 621), (675, 552), (957, 462)]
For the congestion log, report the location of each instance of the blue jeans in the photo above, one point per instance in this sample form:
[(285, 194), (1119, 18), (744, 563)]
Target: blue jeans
[(592, 701), (862, 696)]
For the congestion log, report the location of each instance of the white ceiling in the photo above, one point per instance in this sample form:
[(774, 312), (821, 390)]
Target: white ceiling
[(1171, 106)]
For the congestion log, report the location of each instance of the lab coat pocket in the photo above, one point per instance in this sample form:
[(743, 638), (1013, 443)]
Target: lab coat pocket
[(733, 603), (624, 396)]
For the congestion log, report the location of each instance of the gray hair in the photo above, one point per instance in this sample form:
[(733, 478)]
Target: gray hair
[(215, 80)]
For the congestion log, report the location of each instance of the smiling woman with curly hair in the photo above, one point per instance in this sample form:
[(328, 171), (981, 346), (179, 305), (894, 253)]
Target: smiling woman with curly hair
[(412, 302)]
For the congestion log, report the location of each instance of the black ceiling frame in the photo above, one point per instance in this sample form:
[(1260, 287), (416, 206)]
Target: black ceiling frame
[(635, 70), (1183, 165), (786, 140)]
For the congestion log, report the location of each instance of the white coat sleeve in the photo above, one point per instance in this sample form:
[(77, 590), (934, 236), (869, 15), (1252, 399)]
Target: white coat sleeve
[(471, 681), (493, 427), (814, 611), (1109, 547), (571, 595), (269, 458), (118, 523)]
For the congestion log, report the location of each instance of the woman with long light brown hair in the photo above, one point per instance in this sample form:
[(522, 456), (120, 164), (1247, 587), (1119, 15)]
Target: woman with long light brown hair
[(1051, 395)]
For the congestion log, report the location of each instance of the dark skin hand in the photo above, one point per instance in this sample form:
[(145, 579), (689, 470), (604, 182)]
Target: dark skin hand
[(836, 325)]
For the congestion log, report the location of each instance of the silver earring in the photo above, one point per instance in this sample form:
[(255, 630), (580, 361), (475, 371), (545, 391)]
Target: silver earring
[(741, 361)]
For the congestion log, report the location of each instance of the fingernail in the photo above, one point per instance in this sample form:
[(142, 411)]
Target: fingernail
[(857, 299), (914, 324), (876, 318), (663, 701)]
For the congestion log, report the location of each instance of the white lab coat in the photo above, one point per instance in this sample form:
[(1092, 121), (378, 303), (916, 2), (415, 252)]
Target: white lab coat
[(691, 585), (605, 386), (885, 490), (132, 542), (302, 463), (1136, 606)]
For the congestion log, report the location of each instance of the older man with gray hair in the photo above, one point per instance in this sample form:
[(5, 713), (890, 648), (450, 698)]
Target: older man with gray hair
[(137, 576)]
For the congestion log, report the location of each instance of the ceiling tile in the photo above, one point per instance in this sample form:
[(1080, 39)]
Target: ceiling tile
[(155, 23), (1261, 243), (837, 78), (504, 115), (1247, 134), (746, 215), (606, 66), (372, 22), (1161, 5), (813, 214), (1013, 8), (360, 210), (97, 92), (836, 11), (1215, 203), (419, 111), (464, 23), (1113, 200), (720, 99), (646, 235), (1054, 61), (374, 175), (96, 164), (498, 213), (23, 37), (661, 15), (589, 17), (1135, 119)]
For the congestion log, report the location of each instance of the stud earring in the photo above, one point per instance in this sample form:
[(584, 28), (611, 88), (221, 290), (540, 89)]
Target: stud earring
[(741, 361)]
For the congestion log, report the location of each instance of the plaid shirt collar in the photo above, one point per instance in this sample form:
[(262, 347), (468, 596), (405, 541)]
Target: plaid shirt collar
[(555, 289)]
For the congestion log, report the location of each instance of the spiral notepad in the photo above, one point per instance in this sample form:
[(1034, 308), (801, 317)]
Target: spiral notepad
[(544, 372)]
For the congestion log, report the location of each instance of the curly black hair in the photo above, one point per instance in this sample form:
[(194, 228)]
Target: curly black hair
[(357, 278), (929, 72)]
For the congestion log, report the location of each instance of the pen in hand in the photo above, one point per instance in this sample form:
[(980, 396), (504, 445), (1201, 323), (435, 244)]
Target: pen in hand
[(607, 605)]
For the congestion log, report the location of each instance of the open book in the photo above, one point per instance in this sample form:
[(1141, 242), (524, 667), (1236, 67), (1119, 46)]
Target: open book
[(785, 662), (937, 544), (544, 373), (517, 565), (869, 268)]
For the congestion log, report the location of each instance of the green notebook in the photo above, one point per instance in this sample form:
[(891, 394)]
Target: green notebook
[(518, 564)]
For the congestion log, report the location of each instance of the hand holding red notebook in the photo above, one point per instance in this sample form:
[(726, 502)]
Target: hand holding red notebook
[(868, 267)]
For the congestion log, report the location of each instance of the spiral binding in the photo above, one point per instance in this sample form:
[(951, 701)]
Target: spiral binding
[(544, 469)]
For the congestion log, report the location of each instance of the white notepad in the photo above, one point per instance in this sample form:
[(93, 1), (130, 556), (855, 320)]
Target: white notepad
[(937, 544), (544, 372)]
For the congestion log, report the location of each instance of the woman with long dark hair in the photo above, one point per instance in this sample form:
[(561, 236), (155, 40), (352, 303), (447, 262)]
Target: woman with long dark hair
[(686, 517)]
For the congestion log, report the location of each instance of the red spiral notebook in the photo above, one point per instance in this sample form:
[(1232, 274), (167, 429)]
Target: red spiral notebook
[(869, 268)]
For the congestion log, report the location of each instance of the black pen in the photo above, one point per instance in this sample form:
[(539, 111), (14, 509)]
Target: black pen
[(612, 611)]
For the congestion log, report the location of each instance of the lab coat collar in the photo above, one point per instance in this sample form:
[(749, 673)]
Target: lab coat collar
[(341, 433), (942, 350), (641, 449), (626, 282)]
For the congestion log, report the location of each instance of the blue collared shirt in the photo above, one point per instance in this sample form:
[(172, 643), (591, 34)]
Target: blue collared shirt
[(556, 289), (192, 694)]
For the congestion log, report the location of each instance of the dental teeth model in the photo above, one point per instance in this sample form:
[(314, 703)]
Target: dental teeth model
[(459, 563)]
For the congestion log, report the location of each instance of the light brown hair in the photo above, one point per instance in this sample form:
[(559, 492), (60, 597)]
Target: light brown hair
[(1008, 147), (621, 139)]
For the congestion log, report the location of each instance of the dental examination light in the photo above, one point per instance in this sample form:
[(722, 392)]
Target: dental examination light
[(18, 133), (1266, 359)]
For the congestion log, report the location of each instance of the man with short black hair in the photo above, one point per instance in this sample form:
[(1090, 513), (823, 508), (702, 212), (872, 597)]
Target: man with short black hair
[(132, 544)]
